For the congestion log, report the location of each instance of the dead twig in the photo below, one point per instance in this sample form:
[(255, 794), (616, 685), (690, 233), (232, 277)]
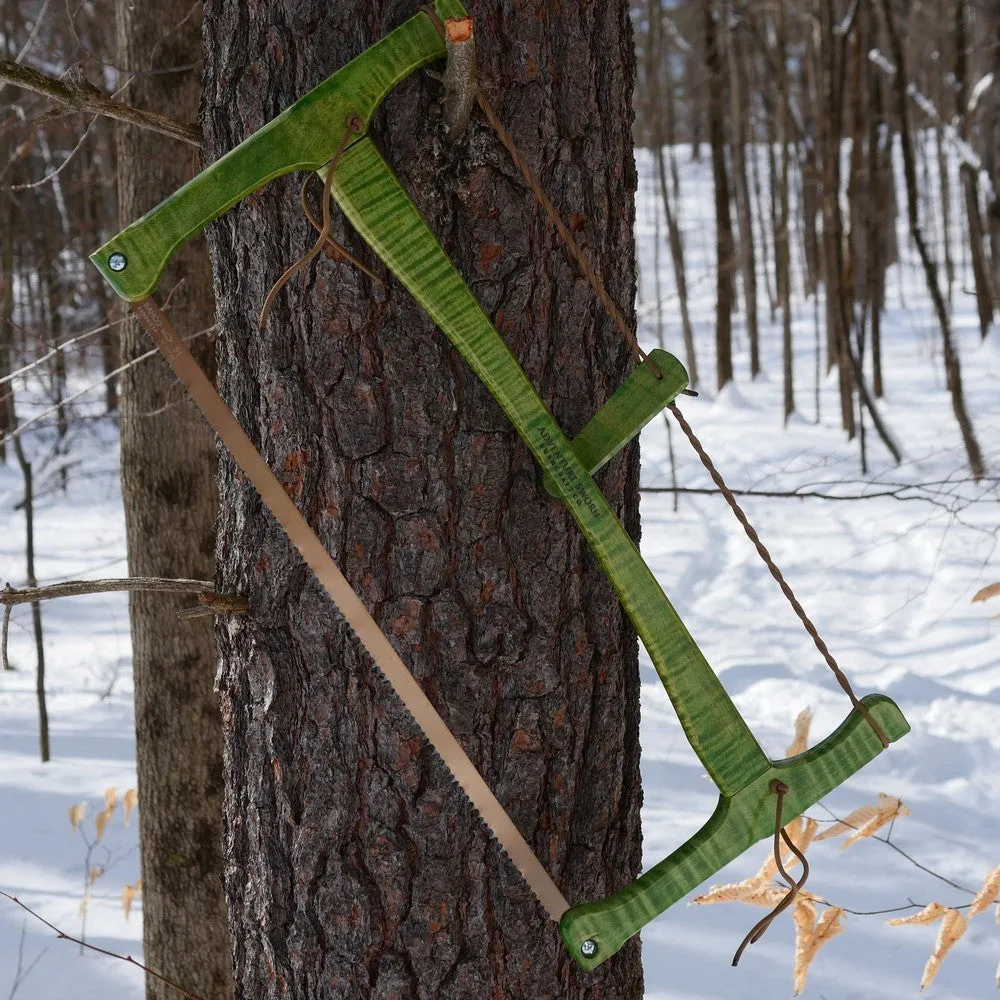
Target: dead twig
[(76, 588), (90, 100), (63, 936)]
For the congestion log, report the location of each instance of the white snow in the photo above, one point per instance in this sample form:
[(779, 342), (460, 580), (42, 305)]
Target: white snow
[(888, 579), (978, 90)]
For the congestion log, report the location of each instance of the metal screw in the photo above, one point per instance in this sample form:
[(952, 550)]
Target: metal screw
[(589, 948), (118, 262)]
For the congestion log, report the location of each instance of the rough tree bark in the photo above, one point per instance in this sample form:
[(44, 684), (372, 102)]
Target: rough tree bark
[(168, 460), (354, 867)]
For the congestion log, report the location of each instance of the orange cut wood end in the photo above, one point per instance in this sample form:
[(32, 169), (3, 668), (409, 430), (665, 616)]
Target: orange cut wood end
[(459, 29)]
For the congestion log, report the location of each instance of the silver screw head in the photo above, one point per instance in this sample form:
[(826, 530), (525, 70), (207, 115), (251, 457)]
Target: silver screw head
[(118, 262), (588, 949)]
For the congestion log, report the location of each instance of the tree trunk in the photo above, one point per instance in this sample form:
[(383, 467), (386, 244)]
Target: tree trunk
[(782, 255), (661, 121), (952, 365), (830, 116), (739, 113), (6, 327), (970, 181), (169, 460), (355, 867), (988, 114), (725, 246)]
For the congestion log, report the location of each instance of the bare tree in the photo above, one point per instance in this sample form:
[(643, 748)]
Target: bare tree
[(953, 370), (168, 464), (725, 246)]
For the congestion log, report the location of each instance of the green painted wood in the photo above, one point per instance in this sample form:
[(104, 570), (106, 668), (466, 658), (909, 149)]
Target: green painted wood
[(303, 137), (739, 822), (306, 135), (636, 401)]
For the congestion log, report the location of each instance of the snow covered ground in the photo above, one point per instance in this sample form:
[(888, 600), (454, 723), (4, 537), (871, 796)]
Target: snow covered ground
[(888, 579)]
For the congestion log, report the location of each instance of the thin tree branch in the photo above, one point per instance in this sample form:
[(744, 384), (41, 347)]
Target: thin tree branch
[(90, 100), (10, 596), (896, 494), (21, 428), (62, 166), (100, 951)]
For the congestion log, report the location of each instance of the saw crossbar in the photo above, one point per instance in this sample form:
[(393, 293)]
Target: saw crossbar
[(632, 405), (306, 135)]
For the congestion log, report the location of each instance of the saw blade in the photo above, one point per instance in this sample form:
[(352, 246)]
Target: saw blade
[(350, 605)]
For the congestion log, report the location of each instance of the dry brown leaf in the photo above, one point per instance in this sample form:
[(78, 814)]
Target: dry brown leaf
[(801, 741), (129, 801), (930, 913), (987, 592), (829, 927), (128, 894), (94, 874), (110, 798), (804, 916), (138, 886), (83, 904), (76, 814), (867, 820), (889, 808), (770, 896), (100, 822), (952, 928), (988, 893), (730, 892), (854, 821)]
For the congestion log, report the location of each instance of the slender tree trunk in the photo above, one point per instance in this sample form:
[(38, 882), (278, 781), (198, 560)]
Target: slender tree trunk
[(953, 370), (985, 293), (989, 13), (660, 122), (830, 125), (6, 328), (27, 473), (356, 869), (738, 115), (782, 257), (880, 218), (725, 246), (811, 200), (773, 143), (169, 460)]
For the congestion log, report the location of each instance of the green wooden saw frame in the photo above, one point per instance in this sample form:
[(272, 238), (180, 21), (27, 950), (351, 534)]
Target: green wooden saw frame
[(306, 136)]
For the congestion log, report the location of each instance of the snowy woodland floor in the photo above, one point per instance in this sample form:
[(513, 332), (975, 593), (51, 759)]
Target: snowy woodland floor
[(888, 580)]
